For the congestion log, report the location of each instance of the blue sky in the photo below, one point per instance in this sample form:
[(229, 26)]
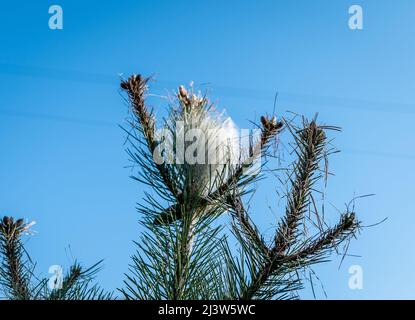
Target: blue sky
[(63, 162)]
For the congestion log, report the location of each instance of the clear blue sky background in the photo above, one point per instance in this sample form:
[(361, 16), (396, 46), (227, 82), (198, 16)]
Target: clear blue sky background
[(62, 155)]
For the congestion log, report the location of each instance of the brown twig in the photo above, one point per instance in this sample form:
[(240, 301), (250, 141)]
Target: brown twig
[(136, 87)]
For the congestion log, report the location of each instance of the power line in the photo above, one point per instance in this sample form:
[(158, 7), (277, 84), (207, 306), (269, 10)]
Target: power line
[(105, 79), (57, 74), (381, 154), (292, 97), (33, 115)]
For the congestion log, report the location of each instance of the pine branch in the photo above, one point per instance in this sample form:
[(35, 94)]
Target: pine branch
[(311, 142), (76, 285), (270, 268), (243, 224), (68, 282), (182, 256), (14, 271), (17, 277), (136, 86), (309, 254), (163, 268), (330, 239)]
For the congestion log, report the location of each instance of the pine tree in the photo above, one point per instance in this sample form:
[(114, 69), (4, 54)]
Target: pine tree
[(18, 280), (184, 252)]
